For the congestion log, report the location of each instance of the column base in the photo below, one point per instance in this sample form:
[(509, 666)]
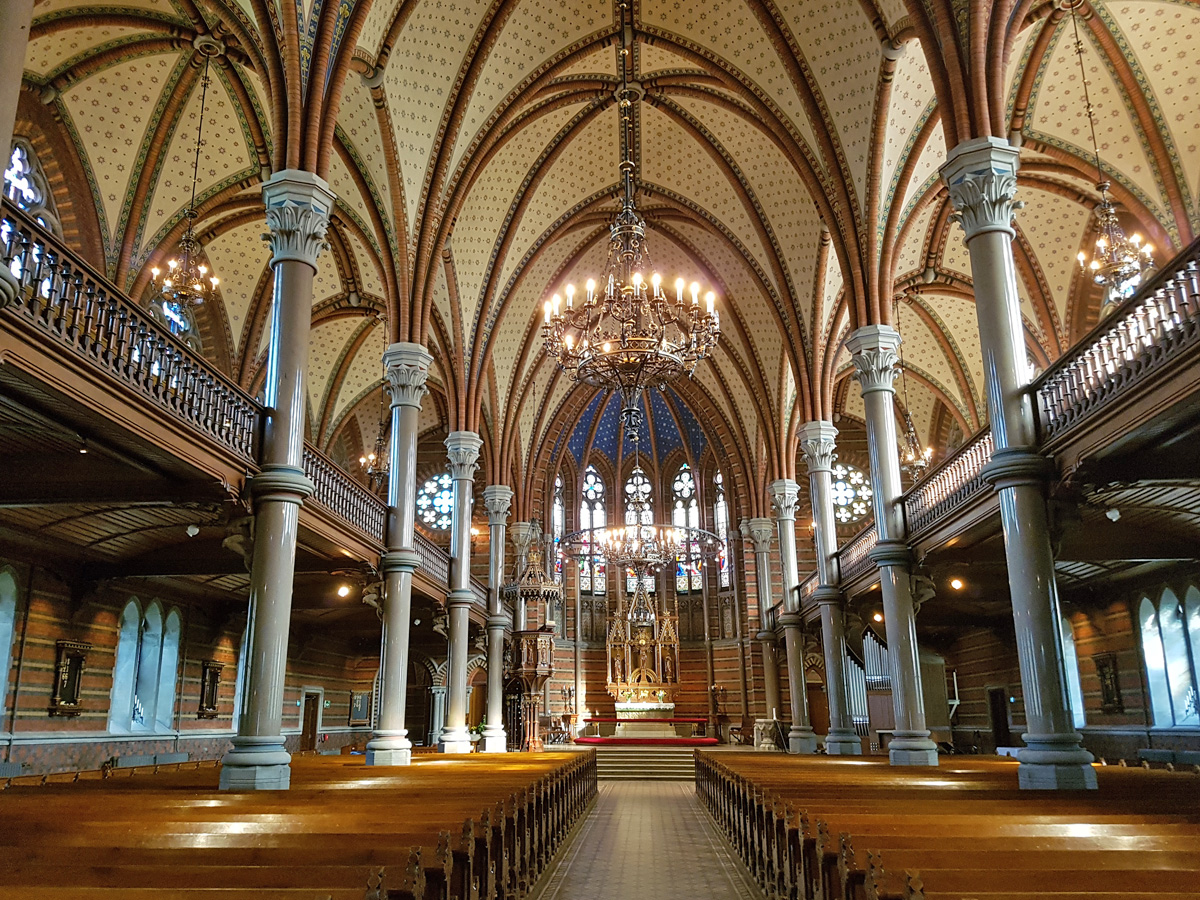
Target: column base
[(912, 749), (495, 741), (455, 742), (389, 749), (256, 764), (1040, 777), (802, 739), (843, 743)]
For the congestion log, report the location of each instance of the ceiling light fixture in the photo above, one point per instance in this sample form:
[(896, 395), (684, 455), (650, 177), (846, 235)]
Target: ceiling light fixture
[(343, 591), (375, 462), (956, 583), (1119, 263), (627, 334), (187, 281)]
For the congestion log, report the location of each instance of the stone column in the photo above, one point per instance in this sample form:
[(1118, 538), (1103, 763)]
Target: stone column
[(298, 206), (462, 448), (498, 499), (982, 177), (14, 36), (580, 689), (437, 712), (523, 534), (784, 494), (760, 531), (407, 370), (817, 443), (874, 348)]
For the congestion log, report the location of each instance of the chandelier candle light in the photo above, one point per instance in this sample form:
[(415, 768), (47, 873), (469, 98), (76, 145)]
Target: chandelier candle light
[(1119, 263), (627, 334), (186, 281)]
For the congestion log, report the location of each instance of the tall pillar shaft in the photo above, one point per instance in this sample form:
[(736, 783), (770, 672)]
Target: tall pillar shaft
[(462, 448), (523, 535), (784, 494), (818, 444), (14, 36), (760, 531), (298, 205), (982, 177), (498, 499), (874, 350), (407, 368)]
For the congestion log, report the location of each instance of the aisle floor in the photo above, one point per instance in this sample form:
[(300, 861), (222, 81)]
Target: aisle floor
[(645, 840)]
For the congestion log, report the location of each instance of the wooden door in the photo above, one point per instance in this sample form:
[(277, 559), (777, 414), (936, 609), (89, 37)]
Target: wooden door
[(312, 711), (998, 712)]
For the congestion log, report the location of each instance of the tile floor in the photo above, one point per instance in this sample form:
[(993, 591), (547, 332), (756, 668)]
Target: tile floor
[(647, 841)]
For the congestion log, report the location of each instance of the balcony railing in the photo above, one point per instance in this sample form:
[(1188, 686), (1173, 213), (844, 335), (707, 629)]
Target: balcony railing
[(954, 481), (853, 558), (435, 562), (1142, 336), (338, 492), (66, 301)]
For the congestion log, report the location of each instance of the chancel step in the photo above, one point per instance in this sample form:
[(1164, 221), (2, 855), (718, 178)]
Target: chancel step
[(645, 764)]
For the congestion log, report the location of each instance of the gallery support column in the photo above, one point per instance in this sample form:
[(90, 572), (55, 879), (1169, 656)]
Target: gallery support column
[(818, 443), (462, 449), (982, 177), (760, 531), (784, 494), (874, 349), (407, 368), (498, 500), (298, 205), (14, 36)]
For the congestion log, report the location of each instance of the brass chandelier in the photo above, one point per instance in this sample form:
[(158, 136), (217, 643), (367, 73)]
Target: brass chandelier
[(1119, 263), (626, 334), (187, 281)]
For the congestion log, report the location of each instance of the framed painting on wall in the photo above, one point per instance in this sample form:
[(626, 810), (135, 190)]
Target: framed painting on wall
[(360, 708)]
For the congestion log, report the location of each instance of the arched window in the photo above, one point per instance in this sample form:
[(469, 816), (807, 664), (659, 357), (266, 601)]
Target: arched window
[(1071, 667), (592, 577), (685, 513), (435, 501), (8, 624), (851, 494), (25, 185), (1169, 640), (558, 525), (143, 691), (721, 525), (639, 510)]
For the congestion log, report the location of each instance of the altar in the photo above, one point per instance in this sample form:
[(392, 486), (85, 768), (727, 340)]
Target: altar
[(645, 719)]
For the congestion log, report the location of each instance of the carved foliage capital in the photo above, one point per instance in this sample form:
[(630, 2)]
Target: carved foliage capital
[(761, 531), (298, 205), (498, 500), (818, 443), (875, 352), (462, 450), (785, 494), (407, 368), (984, 202)]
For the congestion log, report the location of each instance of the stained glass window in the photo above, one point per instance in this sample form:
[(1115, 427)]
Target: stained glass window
[(24, 185), (435, 502), (721, 526), (639, 510), (558, 524), (851, 494), (1170, 641), (592, 577), (685, 513)]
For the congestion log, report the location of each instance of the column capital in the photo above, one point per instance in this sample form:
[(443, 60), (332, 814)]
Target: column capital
[(462, 449), (407, 368), (298, 206), (875, 352), (760, 531), (981, 175), (818, 443), (498, 500), (523, 534), (785, 494)]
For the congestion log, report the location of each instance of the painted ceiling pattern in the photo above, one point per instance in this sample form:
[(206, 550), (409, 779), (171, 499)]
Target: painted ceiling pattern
[(787, 156)]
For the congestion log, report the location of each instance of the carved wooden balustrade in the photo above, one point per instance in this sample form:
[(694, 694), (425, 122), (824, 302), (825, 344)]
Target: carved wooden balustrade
[(854, 559), (952, 482), (65, 300), (342, 495), (1143, 336)]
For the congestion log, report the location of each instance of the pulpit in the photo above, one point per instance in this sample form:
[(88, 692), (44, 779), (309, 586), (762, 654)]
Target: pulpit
[(532, 665)]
